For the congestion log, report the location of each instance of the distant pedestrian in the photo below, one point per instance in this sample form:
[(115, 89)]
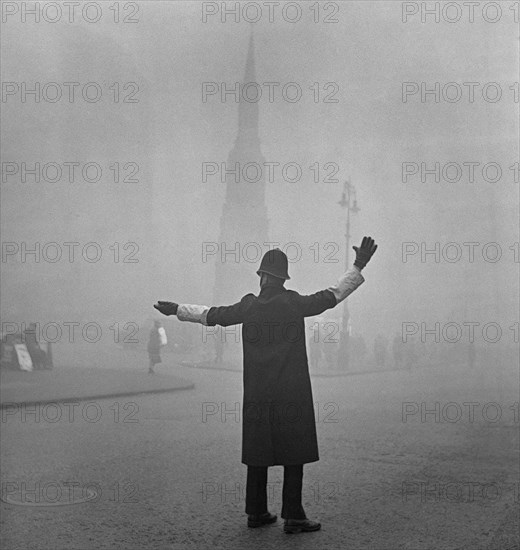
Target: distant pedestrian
[(155, 342), (358, 351), (397, 350), (380, 350), (410, 356)]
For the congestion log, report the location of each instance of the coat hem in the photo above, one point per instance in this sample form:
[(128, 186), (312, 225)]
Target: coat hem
[(281, 463)]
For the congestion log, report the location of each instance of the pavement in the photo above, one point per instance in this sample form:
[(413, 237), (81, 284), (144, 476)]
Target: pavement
[(163, 472), (80, 384)]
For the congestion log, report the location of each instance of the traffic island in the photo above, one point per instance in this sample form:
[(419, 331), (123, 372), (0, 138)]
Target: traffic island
[(81, 384)]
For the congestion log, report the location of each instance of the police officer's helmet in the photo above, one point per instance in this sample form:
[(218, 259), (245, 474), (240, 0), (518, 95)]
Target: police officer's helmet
[(274, 263)]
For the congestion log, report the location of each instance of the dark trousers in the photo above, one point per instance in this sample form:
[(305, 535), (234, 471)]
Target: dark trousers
[(256, 491)]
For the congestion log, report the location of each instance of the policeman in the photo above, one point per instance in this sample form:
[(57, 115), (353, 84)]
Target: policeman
[(278, 416)]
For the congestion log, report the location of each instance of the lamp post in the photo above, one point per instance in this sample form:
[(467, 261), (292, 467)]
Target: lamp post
[(348, 201)]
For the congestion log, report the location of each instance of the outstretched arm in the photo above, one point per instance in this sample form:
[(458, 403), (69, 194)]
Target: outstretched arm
[(308, 305), (347, 283), (352, 279), (184, 312), (223, 315), (317, 303)]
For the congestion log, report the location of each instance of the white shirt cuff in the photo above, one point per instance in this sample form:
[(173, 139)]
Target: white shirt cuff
[(193, 313), (347, 283)]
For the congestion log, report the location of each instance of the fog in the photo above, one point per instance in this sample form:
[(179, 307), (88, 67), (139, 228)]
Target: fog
[(170, 132), (158, 231)]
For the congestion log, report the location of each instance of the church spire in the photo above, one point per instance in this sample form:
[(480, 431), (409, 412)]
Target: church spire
[(244, 212), (248, 110)]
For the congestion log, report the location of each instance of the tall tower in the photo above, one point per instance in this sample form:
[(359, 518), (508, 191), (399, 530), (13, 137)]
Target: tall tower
[(244, 214)]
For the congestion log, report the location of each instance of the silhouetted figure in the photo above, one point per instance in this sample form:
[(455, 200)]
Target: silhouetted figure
[(410, 355), (279, 425), (154, 346), (380, 350), (358, 351), (397, 351)]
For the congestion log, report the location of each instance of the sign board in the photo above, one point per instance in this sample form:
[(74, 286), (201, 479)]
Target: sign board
[(24, 359), (162, 336)]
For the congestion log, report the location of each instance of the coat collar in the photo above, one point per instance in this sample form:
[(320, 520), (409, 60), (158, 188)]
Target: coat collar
[(271, 289)]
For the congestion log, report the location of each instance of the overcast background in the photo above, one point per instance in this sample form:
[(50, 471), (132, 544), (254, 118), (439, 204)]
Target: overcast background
[(170, 132)]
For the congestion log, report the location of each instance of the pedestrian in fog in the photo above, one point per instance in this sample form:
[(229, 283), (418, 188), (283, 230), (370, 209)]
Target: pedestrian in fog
[(156, 340), (410, 355), (397, 350), (380, 350), (279, 426)]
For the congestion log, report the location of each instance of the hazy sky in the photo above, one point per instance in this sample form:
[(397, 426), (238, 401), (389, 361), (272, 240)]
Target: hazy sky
[(369, 133)]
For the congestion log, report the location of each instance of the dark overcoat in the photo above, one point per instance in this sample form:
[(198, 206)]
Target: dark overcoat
[(278, 423)]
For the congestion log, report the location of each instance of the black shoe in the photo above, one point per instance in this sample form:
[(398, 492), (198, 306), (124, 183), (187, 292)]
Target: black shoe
[(300, 525), (261, 519)]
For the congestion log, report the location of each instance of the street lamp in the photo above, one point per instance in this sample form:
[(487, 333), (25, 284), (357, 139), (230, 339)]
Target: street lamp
[(348, 201)]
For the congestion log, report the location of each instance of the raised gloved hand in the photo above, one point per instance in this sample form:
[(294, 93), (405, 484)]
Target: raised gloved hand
[(166, 308), (364, 252)]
